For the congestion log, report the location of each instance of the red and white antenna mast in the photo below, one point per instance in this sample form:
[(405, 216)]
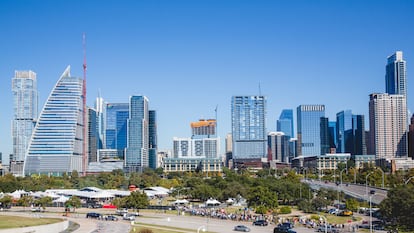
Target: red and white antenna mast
[(85, 113)]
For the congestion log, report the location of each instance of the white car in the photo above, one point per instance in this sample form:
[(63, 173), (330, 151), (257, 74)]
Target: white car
[(130, 217)]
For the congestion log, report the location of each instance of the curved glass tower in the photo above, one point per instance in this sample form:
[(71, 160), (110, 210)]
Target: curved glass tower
[(56, 144)]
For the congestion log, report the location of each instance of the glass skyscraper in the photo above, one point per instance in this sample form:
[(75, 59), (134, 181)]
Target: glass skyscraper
[(136, 158), (117, 115), (285, 122), (25, 105), (56, 145), (248, 127), (395, 75), (309, 129), (152, 131)]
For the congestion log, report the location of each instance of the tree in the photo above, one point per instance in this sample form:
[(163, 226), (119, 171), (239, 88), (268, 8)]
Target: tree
[(43, 202), (5, 201), (352, 204), (73, 202), (262, 196), (137, 200), (25, 201), (397, 207)]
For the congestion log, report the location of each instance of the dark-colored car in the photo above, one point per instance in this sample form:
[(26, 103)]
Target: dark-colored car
[(241, 228), (287, 224), (283, 229), (111, 218), (260, 222), (93, 215)]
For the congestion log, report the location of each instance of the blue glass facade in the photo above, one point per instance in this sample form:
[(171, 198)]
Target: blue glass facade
[(248, 127), (285, 123), (56, 144), (395, 75), (152, 131), (344, 131), (137, 150), (116, 126), (309, 129)]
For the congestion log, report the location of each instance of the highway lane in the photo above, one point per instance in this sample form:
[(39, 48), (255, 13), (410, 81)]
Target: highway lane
[(357, 191)]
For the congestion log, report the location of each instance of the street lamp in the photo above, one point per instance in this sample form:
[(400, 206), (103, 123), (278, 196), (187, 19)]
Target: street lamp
[(372, 193), (202, 228), (366, 184), (340, 174), (325, 221)]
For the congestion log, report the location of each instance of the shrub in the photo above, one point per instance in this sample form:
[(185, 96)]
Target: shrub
[(285, 210), (145, 230)]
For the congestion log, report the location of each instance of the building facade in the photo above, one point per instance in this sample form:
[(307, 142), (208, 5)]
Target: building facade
[(152, 140), (116, 118), (136, 158), (278, 147), (395, 75), (388, 125), (248, 127), (285, 123), (56, 145), (309, 129), (25, 112), (93, 135), (350, 133)]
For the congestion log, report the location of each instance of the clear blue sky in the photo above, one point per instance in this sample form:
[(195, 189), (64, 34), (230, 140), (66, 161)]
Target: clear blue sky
[(188, 57)]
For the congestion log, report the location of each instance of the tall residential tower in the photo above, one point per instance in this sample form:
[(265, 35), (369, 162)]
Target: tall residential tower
[(248, 127), (25, 105)]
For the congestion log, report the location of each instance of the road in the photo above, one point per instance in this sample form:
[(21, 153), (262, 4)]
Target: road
[(354, 190)]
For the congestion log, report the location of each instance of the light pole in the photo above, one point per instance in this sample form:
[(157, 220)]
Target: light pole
[(325, 221), (366, 184), (202, 228), (371, 193), (340, 174)]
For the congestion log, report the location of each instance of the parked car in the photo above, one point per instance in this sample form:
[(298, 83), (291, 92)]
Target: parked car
[(329, 229), (241, 228), (36, 209), (283, 229), (93, 215), (111, 218), (130, 217), (287, 224), (121, 212), (260, 222), (346, 213)]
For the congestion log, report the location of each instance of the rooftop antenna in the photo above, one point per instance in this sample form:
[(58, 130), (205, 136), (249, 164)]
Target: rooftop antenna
[(260, 90), (85, 132)]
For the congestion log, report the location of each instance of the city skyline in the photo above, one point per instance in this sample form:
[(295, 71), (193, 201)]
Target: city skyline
[(293, 53)]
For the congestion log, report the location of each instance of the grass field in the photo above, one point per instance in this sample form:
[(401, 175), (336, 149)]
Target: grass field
[(15, 221)]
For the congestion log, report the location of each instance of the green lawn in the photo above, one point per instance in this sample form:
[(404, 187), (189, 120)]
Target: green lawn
[(15, 221)]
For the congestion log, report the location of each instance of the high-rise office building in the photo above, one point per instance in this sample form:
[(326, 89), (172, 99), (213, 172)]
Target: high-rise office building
[(116, 118), (56, 145), (411, 138), (93, 135), (350, 133), (388, 125), (152, 132), (324, 135), (285, 122), (25, 105), (136, 158), (332, 136), (248, 127), (309, 129), (100, 121), (395, 75), (278, 147)]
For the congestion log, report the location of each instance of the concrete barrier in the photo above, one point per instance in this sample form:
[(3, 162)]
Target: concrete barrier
[(49, 228)]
